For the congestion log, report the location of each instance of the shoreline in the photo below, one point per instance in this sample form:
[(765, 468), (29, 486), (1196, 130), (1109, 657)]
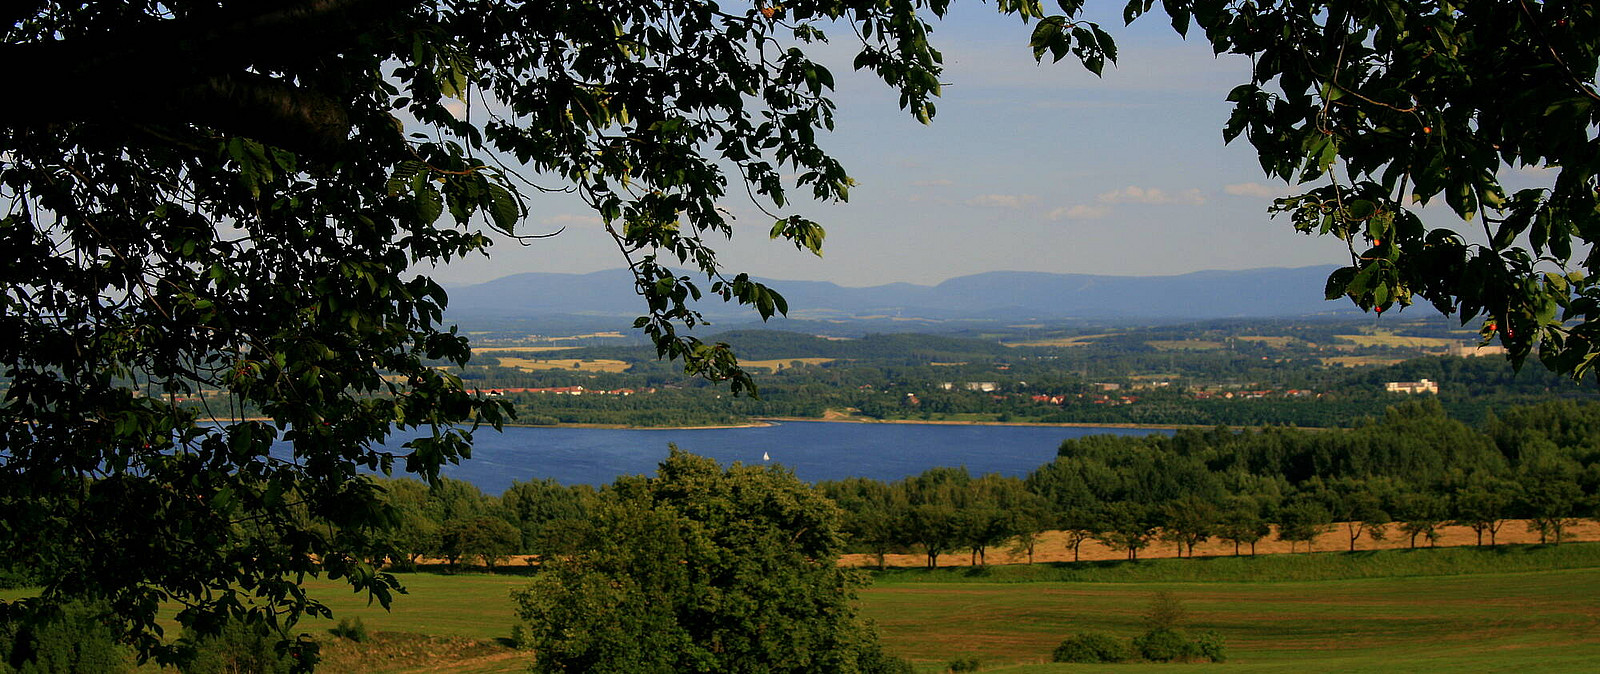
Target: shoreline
[(766, 422), (760, 423), (955, 422)]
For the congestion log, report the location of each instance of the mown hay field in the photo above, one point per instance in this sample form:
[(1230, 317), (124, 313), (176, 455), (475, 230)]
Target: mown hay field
[(1390, 340), (579, 364), (776, 364)]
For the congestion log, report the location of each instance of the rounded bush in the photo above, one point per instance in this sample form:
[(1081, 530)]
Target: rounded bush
[(1209, 645), (1163, 645), (1091, 647), (967, 664)]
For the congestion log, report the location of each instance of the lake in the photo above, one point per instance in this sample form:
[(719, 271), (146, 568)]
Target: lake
[(814, 450)]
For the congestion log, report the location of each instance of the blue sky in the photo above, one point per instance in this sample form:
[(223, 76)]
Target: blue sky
[(1026, 167)]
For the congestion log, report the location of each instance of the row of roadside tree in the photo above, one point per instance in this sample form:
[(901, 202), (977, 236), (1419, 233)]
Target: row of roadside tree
[(1407, 474)]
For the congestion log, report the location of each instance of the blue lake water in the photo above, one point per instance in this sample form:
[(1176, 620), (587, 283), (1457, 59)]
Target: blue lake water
[(813, 450)]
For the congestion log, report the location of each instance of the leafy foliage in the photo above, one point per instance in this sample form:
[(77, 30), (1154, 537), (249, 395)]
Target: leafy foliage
[(701, 569), (1091, 647), (78, 639), (1392, 105), (245, 237), (240, 646)]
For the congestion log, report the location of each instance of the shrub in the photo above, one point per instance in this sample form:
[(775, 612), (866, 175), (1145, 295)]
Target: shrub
[(77, 640), (17, 576), (1166, 612), (238, 647), (874, 661), (354, 630), (1209, 645), (1163, 645), (1091, 647), (966, 664)]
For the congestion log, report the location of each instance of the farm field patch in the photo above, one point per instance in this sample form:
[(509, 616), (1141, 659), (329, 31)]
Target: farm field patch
[(776, 364), (578, 364)]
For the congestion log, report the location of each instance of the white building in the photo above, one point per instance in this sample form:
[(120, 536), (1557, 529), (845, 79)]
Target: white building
[(1410, 387)]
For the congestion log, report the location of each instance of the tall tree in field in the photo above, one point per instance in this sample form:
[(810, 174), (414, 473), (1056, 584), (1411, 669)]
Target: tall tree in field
[(874, 515), (1421, 513), (1550, 499), (1483, 504), (702, 569), (1302, 521), (1187, 522)]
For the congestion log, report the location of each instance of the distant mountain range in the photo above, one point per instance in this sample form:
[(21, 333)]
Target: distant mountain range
[(1002, 295)]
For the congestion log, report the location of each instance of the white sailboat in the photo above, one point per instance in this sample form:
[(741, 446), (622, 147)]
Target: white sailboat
[(765, 457)]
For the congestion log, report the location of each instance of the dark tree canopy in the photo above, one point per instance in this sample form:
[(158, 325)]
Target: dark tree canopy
[(224, 200)]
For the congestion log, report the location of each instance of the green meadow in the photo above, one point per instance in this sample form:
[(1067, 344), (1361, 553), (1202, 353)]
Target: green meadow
[(1446, 610), (1534, 608)]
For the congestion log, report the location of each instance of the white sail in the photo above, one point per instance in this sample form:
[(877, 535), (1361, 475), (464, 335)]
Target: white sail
[(765, 457)]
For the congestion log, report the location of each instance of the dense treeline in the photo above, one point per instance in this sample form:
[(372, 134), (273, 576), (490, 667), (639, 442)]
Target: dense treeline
[(1407, 473), (1410, 472)]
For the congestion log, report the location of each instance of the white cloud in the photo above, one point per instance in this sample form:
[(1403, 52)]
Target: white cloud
[(1080, 212), (1133, 194), (1011, 201), (1256, 190)]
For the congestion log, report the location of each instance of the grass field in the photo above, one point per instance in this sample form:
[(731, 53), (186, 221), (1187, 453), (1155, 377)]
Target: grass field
[(1276, 342), (1544, 617), (1404, 619), (581, 365), (1543, 622)]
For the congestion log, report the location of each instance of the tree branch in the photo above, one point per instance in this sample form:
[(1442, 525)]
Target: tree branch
[(203, 69)]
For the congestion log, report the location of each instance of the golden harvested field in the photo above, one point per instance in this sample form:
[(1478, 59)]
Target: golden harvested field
[(1390, 340), (1053, 548), (1080, 340), (580, 364), (776, 364)]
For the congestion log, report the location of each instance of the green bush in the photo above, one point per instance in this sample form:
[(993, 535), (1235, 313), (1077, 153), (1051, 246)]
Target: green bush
[(1163, 645), (966, 664), (16, 576), (873, 660), (79, 640), (1091, 647), (1209, 645), (352, 629), (238, 647)]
